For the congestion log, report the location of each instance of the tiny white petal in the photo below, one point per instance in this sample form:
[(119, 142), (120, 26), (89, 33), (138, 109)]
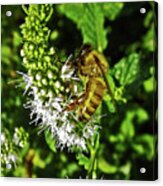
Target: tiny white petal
[(52, 51), (22, 53), (43, 92), (38, 77), (12, 157), (57, 84), (25, 60), (50, 75)]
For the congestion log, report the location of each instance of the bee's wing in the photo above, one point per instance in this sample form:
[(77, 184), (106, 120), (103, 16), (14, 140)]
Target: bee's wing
[(103, 65)]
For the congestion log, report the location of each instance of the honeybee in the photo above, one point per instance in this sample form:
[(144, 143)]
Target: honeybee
[(92, 66)]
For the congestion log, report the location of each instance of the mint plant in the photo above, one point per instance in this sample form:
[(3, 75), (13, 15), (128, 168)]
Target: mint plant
[(38, 57)]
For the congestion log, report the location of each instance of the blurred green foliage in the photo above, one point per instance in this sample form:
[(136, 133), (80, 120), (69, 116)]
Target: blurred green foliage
[(127, 140)]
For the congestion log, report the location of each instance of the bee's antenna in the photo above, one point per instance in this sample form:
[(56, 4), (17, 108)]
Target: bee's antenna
[(69, 58)]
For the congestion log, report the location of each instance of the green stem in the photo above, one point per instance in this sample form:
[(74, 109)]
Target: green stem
[(93, 158)]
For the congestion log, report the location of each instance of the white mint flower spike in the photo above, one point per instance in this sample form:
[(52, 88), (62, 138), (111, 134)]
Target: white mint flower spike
[(51, 114)]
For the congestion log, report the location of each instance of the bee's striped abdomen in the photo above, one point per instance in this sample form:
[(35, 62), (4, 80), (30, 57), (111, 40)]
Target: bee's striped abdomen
[(96, 88)]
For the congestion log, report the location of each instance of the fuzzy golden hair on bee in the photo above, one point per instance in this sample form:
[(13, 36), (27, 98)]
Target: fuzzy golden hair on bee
[(93, 66)]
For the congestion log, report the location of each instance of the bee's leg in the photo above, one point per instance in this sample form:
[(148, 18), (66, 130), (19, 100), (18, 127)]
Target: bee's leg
[(80, 99), (76, 102), (71, 106)]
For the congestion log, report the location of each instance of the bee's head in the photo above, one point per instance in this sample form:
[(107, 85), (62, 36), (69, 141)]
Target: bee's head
[(86, 48), (74, 62)]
